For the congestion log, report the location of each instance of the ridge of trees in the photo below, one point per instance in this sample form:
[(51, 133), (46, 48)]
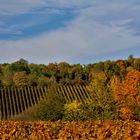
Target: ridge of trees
[(22, 73)]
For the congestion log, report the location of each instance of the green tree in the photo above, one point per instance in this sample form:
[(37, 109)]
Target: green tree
[(51, 108), (99, 66), (39, 70), (52, 69), (63, 69), (110, 68), (21, 65)]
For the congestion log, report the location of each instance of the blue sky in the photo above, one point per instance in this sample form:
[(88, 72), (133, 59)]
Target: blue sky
[(75, 31)]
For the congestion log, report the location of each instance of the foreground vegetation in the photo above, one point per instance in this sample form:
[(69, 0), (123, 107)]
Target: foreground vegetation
[(87, 130)]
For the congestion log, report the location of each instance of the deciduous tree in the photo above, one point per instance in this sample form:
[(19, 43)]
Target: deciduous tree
[(20, 79)]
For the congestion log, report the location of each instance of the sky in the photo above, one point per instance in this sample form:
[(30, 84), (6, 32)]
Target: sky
[(74, 31)]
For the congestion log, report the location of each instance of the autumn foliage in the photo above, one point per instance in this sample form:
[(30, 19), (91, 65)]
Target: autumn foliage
[(60, 130), (127, 93), (108, 90)]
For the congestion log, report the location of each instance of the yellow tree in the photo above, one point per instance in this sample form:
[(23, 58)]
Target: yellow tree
[(20, 79), (114, 83), (104, 104), (6, 76)]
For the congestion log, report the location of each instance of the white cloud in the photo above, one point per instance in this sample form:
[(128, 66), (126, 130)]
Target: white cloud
[(83, 38), (80, 39)]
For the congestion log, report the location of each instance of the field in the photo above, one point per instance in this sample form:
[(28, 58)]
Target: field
[(88, 130)]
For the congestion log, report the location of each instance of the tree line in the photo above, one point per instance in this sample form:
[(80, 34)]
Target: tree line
[(22, 73)]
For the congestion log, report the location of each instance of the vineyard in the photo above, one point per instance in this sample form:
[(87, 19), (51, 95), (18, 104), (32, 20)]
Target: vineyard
[(102, 104), (14, 101), (88, 130)]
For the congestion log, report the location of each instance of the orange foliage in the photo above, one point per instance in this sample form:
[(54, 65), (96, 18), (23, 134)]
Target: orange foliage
[(127, 92), (88, 130), (121, 64), (125, 113)]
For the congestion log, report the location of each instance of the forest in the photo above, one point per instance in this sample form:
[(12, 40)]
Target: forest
[(23, 73)]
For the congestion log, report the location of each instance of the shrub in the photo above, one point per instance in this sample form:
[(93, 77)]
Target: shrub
[(94, 111), (51, 108), (76, 111), (73, 111)]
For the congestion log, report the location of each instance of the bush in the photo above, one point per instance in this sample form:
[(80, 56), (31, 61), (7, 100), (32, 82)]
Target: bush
[(104, 107), (76, 111), (94, 111), (73, 111), (51, 108)]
